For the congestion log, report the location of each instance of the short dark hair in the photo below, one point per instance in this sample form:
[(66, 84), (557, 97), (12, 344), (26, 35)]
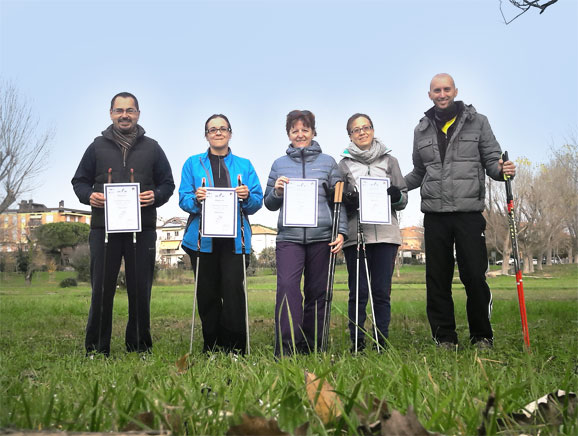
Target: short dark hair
[(353, 117), (212, 117), (124, 95), (306, 117)]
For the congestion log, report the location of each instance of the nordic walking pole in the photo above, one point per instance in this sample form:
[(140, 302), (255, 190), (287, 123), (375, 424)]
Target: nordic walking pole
[(332, 258), (109, 180), (357, 286), (368, 278), (514, 241), (197, 272), (248, 347), (136, 299)]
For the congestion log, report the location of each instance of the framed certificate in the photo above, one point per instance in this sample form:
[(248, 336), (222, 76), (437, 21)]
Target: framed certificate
[(374, 202), (300, 203), (122, 207), (220, 213)]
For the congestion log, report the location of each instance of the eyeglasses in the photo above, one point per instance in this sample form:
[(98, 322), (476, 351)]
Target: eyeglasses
[(358, 130), (130, 111), (214, 130)]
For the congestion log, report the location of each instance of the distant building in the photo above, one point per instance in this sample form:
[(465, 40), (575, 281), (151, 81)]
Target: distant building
[(263, 237), (169, 238), (412, 245), (17, 225)]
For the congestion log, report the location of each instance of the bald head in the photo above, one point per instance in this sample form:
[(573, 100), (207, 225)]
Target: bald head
[(442, 76), (442, 91)]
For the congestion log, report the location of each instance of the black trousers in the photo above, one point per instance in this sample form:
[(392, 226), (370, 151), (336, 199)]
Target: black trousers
[(466, 231), (380, 263), (221, 296), (139, 278)]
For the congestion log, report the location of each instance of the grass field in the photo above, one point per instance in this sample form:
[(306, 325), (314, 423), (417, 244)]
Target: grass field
[(46, 383)]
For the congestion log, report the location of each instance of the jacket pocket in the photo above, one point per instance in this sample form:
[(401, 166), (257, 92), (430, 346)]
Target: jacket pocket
[(468, 146), (425, 150)]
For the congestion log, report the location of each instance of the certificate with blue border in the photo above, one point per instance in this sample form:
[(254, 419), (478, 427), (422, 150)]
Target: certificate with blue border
[(220, 210), (374, 201), (300, 203), (122, 212)]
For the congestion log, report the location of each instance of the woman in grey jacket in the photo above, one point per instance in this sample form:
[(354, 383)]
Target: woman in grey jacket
[(367, 156), (302, 250)]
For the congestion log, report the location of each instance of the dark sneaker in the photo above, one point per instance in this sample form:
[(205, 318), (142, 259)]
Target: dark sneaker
[(484, 344), (447, 346)]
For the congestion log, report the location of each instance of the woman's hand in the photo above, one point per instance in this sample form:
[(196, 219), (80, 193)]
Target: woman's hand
[(201, 194), (337, 245), (242, 192), (280, 185)]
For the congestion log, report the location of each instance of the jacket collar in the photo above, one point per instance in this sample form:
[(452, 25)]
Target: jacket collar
[(309, 153), (468, 111)]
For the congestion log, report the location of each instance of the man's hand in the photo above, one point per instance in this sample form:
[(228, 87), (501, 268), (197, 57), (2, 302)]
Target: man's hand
[(147, 198), (97, 199), (507, 168)]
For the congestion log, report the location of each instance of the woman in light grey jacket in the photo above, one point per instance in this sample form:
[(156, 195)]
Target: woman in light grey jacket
[(367, 156), (302, 250)]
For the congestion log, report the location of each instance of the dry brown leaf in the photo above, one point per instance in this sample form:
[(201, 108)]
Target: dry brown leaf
[(175, 423), (182, 364), (301, 430), (256, 425), (323, 398), (400, 425), (140, 421)]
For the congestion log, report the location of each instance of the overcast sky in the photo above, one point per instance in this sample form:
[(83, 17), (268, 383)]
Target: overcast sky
[(257, 60)]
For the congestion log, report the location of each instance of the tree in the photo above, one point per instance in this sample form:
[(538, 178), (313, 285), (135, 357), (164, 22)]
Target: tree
[(23, 149), (267, 259), (525, 6), (565, 166), (56, 236)]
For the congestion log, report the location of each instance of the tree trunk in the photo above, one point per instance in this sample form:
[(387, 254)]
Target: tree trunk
[(506, 256)]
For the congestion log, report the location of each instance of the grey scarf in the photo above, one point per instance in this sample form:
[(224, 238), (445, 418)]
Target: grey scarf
[(366, 157), (124, 140)]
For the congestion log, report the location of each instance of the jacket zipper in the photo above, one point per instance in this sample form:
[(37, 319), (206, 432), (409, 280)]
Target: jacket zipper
[(303, 173)]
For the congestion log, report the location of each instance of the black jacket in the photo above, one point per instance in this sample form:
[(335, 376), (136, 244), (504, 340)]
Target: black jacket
[(151, 169)]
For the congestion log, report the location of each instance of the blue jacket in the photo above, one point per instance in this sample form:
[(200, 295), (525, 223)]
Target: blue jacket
[(306, 163), (198, 167)]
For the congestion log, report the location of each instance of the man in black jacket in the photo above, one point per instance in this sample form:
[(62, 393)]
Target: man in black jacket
[(121, 152)]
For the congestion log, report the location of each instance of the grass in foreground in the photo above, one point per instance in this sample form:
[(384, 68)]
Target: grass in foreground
[(47, 383)]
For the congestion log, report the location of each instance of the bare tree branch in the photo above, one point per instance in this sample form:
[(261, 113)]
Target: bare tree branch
[(525, 6), (23, 150)]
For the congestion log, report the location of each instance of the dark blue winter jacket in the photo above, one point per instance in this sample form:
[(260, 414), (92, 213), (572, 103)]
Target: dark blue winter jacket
[(306, 163)]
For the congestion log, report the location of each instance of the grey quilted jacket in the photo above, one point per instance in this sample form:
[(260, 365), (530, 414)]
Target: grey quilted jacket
[(457, 184), (306, 163)]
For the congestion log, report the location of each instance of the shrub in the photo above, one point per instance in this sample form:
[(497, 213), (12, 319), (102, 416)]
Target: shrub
[(80, 260), (68, 282)]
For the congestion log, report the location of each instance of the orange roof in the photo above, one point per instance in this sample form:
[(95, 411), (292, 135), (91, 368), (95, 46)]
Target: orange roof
[(258, 229)]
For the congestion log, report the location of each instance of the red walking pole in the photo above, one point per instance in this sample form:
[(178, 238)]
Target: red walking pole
[(514, 241)]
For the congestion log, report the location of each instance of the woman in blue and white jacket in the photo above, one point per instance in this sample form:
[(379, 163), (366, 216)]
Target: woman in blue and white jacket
[(303, 250), (220, 291)]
